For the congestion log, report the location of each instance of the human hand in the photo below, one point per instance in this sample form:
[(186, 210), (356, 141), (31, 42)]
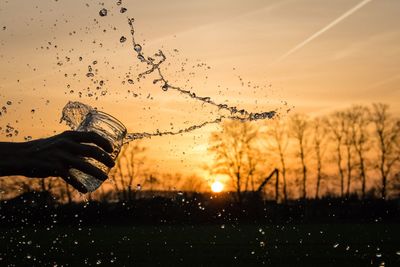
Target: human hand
[(54, 156)]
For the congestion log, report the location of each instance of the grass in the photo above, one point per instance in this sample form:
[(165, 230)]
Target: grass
[(202, 245)]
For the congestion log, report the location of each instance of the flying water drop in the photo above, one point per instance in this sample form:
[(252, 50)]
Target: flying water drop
[(103, 12)]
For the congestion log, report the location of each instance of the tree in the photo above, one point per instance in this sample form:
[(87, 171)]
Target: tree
[(152, 181), (348, 143), (299, 125), (387, 136), (319, 139), (194, 183), (237, 154), (129, 166), (278, 138), (359, 116), (336, 125)]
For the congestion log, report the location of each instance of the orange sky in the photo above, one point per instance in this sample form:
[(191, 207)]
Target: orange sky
[(355, 61)]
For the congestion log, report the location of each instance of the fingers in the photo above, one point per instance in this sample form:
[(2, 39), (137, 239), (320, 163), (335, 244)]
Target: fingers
[(89, 137), (75, 183), (92, 152), (84, 166)]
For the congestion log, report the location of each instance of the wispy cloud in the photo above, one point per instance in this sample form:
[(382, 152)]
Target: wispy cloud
[(324, 29)]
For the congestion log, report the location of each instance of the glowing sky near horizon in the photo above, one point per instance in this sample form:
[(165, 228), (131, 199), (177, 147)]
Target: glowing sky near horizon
[(355, 61)]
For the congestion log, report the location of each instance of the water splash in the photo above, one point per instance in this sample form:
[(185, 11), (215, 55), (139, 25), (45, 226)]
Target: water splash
[(103, 12), (154, 67), (74, 112)]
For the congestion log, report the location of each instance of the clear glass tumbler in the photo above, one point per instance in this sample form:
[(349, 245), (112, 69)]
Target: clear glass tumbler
[(111, 129)]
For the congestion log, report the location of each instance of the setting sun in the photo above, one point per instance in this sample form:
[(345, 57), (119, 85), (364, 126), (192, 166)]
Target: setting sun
[(217, 187)]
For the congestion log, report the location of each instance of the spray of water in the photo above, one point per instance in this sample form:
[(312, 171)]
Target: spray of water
[(154, 67), (74, 112)]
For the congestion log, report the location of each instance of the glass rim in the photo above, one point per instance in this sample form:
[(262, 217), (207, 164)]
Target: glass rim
[(118, 122)]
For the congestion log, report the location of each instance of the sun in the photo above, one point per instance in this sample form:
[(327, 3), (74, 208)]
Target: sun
[(217, 187)]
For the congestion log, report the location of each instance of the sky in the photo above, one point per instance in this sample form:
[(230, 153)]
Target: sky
[(311, 56)]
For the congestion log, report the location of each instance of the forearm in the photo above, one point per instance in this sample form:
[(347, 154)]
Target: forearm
[(10, 158)]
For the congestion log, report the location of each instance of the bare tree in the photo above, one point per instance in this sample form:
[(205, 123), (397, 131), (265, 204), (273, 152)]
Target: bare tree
[(319, 139), (336, 125), (152, 180), (387, 135), (299, 125), (359, 116), (193, 183), (236, 153), (348, 143), (129, 166), (278, 133)]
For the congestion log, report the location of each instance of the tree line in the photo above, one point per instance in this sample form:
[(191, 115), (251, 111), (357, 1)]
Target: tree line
[(349, 152)]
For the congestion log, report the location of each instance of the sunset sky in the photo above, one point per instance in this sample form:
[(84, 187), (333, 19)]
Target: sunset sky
[(312, 56)]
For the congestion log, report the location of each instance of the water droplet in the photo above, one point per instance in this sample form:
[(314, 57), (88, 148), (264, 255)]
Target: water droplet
[(223, 226), (122, 39), (9, 103), (130, 81), (262, 244), (137, 48), (103, 12), (165, 87), (123, 10), (89, 74), (336, 245)]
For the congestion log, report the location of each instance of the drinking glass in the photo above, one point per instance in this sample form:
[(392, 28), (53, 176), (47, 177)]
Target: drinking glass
[(108, 127)]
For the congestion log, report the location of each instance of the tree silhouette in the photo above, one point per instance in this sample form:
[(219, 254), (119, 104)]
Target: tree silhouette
[(359, 116), (129, 166), (319, 139), (336, 125), (277, 137), (387, 135), (237, 154), (299, 126)]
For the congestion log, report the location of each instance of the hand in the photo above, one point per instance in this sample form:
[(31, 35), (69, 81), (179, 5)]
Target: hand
[(54, 156)]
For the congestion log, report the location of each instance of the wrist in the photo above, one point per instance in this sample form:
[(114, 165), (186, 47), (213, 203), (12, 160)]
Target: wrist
[(11, 156)]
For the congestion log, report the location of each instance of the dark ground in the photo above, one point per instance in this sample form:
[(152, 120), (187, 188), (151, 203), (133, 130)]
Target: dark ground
[(203, 245), (198, 230)]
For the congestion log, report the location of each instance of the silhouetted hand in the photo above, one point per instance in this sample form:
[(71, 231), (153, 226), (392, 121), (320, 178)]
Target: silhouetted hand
[(54, 156)]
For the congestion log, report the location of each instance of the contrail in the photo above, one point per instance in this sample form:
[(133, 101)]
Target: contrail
[(326, 28)]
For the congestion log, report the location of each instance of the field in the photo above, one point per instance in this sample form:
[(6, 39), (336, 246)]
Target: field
[(203, 245)]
